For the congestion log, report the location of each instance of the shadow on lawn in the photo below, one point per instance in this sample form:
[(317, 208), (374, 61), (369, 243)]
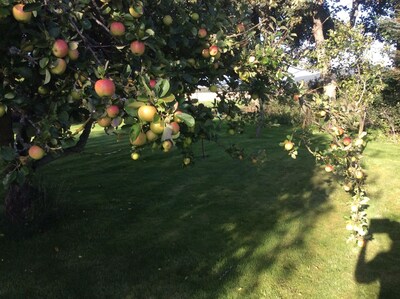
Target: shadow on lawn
[(211, 231), (384, 267)]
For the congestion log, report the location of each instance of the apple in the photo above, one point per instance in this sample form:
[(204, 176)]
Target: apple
[(167, 20), (328, 168), (2, 109), (135, 156), (167, 145), (152, 83), (240, 28), (205, 53), (43, 90), (213, 88), (231, 132), (296, 97), (338, 131), (137, 48), (151, 136), (346, 141), (176, 118), (359, 174), (251, 59), (140, 140), (359, 142), (322, 113), (59, 67), (20, 15), (104, 121), (175, 127), (136, 11), (334, 146), (60, 48), (157, 127), (73, 54), (186, 161), (147, 113), (117, 29), (347, 187), (195, 16), (191, 61), (76, 95), (289, 145), (202, 33), (112, 111), (36, 152), (104, 87), (214, 50)]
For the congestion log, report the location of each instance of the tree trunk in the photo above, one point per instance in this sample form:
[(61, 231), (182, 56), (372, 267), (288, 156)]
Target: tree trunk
[(319, 19), (18, 202), (6, 130)]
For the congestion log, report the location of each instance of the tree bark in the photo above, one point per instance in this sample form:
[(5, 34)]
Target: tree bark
[(6, 130), (319, 19), (19, 199)]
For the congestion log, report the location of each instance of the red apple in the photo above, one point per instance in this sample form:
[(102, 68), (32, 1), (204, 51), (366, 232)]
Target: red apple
[(73, 54), (137, 48), (296, 97), (175, 127), (59, 67), (240, 28), (36, 152), (289, 145), (60, 48), (140, 140), (205, 53), (167, 145), (328, 168), (147, 113), (20, 15), (346, 141), (104, 121), (202, 33), (214, 50), (112, 111), (152, 83), (117, 29), (104, 87), (151, 136)]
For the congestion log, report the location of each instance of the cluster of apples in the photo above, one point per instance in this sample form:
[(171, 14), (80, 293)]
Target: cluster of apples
[(148, 114), (118, 29), (106, 88)]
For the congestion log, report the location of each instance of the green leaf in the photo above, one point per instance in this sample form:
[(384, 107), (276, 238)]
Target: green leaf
[(162, 87), (135, 131), (7, 153), (186, 118), (9, 178), (48, 77), (150, 32), (43, 62), (32, 6), (9, 96)]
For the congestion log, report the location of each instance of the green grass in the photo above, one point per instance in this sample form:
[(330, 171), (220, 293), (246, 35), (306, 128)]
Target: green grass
[(220, 229)]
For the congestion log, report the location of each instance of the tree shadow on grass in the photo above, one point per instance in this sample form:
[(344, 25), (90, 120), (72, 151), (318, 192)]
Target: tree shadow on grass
[(151, 229), (384, 266)]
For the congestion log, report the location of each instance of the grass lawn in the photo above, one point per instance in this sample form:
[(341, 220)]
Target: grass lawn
[(220, 229)]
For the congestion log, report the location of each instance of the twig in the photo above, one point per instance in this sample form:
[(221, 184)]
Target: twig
[(85, 40)]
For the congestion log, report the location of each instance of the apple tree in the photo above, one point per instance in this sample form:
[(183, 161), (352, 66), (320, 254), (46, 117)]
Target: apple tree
[(129, 66)]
